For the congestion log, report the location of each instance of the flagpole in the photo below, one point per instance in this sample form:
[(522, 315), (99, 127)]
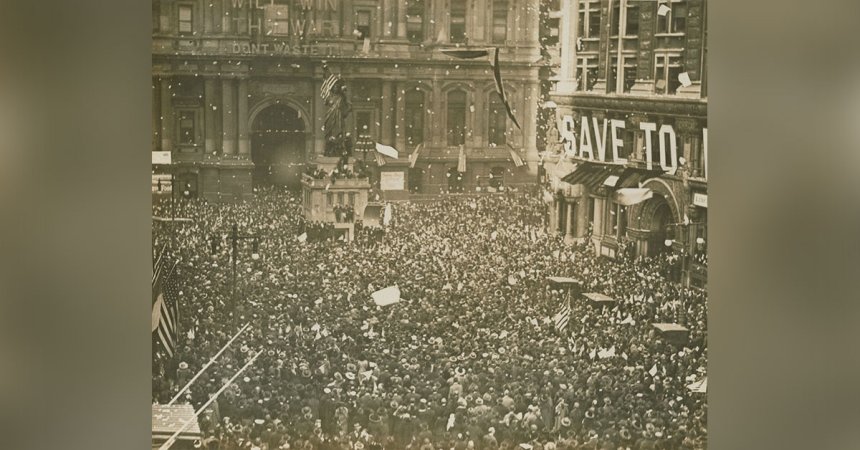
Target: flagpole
[(167, 444), (206, 366)]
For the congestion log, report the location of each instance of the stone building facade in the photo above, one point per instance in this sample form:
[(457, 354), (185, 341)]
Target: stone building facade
[(631, 116), (236, 88)]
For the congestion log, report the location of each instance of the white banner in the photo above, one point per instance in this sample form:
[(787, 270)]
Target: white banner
[(392, 181)]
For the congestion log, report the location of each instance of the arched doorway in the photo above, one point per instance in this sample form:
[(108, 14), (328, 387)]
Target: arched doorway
[(658, 224), (278, 146)]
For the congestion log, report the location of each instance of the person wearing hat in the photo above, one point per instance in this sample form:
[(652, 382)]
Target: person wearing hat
[(183, 374)]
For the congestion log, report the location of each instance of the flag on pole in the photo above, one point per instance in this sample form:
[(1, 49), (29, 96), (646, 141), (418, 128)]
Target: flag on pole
[(413, 158), (562, 318), (165, 312), (518, 161)]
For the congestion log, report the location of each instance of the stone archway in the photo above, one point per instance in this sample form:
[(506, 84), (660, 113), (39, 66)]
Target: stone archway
[(278, 145), (656, 215)]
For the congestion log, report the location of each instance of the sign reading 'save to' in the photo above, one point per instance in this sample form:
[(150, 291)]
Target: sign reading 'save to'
[(601, 141)]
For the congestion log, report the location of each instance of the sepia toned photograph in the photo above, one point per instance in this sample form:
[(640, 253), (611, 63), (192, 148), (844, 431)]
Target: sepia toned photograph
[(429, 224)]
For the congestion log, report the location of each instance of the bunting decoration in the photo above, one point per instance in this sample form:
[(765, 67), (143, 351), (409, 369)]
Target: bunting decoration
[(497, 73)]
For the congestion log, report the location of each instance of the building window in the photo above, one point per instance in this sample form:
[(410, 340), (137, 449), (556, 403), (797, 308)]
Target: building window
[(456, 118), (457, 27), (186, 22), (187, 127), (329, 199), (586, 73), (340, 198), (675, 20), (497, 120), (352, 199), (627, 75), (589, 19), (415, 20), (616, 19), (414, 117), (668, 67), (362, 24), (631, 24), (500, 21), (497, 177), (697, 158), (363, 123)]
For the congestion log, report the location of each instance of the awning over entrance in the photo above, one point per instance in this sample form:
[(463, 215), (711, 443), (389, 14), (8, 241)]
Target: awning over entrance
[(593, 175)]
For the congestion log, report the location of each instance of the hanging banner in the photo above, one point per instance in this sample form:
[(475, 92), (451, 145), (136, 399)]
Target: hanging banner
[(392, 181)]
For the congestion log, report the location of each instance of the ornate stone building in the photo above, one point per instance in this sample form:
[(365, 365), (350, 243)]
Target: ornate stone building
[(236, 88), (631, 114)]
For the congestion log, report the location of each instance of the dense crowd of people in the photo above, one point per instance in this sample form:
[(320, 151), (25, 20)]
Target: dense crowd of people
[(469, 359)]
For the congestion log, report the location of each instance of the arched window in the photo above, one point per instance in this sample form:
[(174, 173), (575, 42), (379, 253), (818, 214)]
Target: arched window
[(414, 117), (497, 121), (456, 118)]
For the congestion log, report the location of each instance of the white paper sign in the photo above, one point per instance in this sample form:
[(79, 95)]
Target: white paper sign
[(392, 181), (663, 10), (684, 78)]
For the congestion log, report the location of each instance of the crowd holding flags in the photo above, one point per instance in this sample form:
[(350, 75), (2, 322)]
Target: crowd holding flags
[(165, 307)]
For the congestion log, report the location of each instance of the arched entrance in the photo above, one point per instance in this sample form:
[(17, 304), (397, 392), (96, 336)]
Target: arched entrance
[(657, 216), (278, 146)]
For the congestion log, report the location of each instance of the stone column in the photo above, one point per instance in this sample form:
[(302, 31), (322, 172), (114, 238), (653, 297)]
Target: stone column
[(209, 105), (480, 137), (438, 128), (401, 21), (226, 17), (156, 114), (242, 118), (569, 26), (559, 212), (167, 120), (526, 118), (387, 119), (228, 115), (388, 16), (400, 124), (208, 18), (581, 217), (569, 224)]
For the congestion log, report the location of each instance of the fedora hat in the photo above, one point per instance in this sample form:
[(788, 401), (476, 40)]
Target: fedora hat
[(350, 376), (565, 422), (183, 365)]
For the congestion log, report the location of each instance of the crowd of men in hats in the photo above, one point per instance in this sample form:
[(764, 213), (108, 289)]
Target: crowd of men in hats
[(469, 359)]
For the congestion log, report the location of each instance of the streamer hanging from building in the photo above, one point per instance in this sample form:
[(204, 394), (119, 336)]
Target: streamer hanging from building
[(497, 74)]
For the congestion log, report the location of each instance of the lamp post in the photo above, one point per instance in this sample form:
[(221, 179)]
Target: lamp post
[(235, 238)]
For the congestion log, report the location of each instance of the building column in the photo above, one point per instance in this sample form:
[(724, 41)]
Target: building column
[(388, 17), (437, 126), (581, 218), (400, 126), (208, 18), (569, 26), (228, 115), (559, 212), (156, 114), (166, 116), (401, 21), (387, 119), (569, 224), (209, 106), (242, 118), (530, 110)]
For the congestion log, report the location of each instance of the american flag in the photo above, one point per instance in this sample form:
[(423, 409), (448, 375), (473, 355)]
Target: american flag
[(328, 84), (562, 317), (165, 308)]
